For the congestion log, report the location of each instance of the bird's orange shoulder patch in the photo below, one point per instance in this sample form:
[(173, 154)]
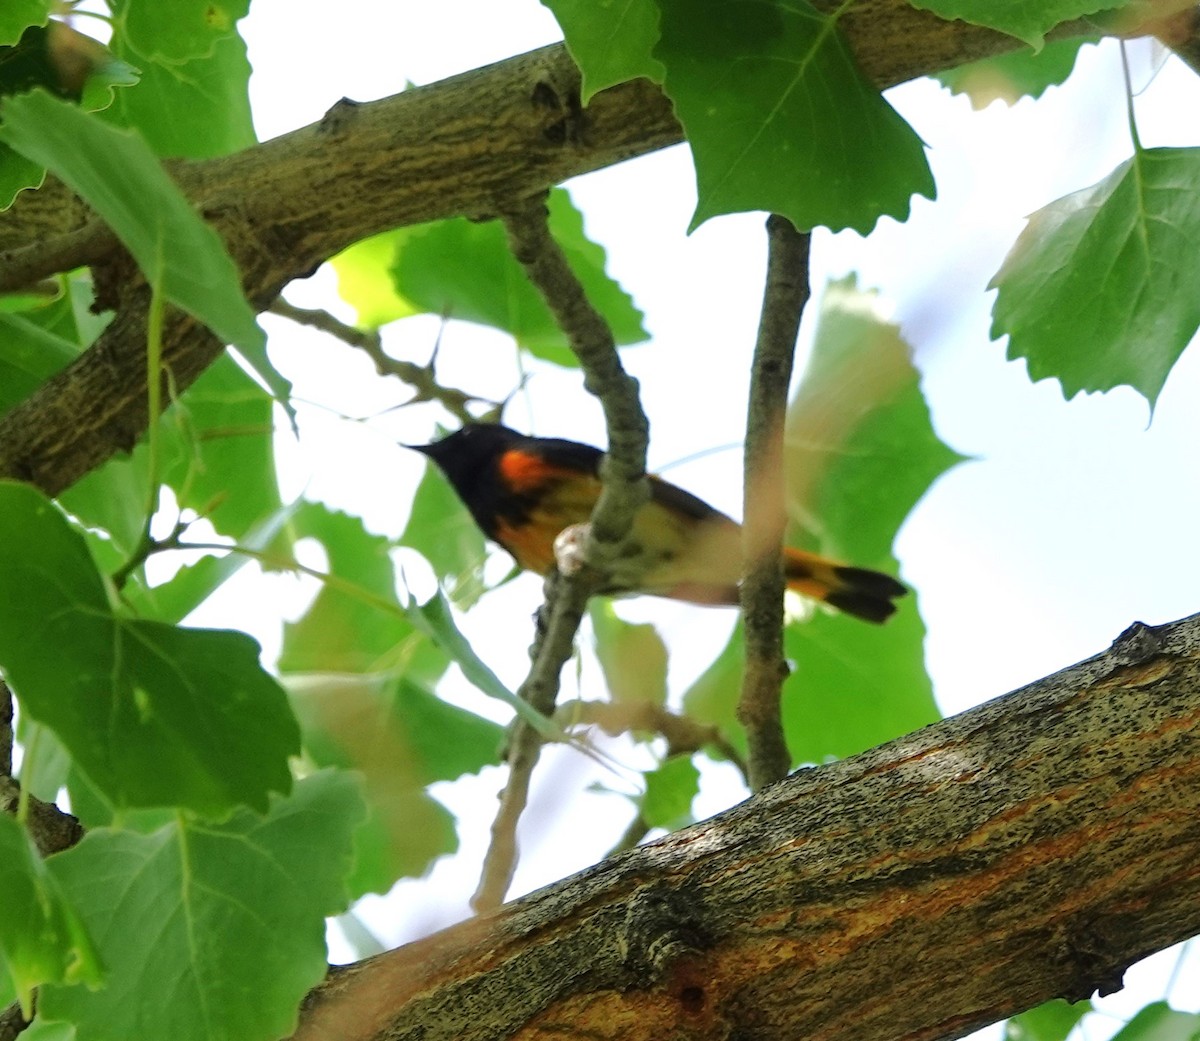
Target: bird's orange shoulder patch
[(528, 471)]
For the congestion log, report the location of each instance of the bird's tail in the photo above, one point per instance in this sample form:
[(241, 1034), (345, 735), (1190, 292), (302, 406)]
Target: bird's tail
[(858, 591)]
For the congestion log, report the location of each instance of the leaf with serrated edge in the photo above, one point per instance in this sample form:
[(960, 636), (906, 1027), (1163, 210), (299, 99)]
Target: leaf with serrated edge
[(1098, 289), (610, 40), (780, 119), (1027, 20), (218, 928), (156, 715)]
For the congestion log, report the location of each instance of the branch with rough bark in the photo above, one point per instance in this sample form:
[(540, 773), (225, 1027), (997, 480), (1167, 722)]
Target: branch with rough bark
[(1031, 848), (458, 147)]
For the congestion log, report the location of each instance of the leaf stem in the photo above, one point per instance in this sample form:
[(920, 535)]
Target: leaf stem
[(1133, 131)]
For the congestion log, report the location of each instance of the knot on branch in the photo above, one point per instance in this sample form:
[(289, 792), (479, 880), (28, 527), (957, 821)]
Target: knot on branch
[(662, 926)]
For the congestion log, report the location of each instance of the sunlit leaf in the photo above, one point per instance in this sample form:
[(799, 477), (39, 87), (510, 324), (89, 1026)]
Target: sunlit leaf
[(633, 656), (464, 269), (444, 533), (670, 789), (860, 445), (1027, 20), (780, 119), (365, 280), (348, 628), (1015, 75), (196, 107), (854, 686), (1097, 291), (401, 738)]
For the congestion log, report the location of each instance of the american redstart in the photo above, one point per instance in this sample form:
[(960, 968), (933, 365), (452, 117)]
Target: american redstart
[(524, 491)]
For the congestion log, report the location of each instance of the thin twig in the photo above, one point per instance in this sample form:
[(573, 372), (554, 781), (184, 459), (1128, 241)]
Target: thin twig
[(624, 490), (6, 730), (784, 296), (682, 733), (421, 378)]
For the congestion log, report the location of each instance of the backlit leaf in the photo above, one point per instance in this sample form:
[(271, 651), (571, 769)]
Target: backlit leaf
[(1098, 290)]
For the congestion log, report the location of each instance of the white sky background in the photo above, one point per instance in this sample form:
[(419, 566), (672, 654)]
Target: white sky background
[(1076, 519)]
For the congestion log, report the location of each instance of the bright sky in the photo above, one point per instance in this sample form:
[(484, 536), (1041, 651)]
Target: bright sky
[(1075, 519)]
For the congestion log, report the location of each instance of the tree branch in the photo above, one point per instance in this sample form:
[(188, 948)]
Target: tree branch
[(624, 489), (452, 148), (1030, 848), (784, 296), (421, 378)]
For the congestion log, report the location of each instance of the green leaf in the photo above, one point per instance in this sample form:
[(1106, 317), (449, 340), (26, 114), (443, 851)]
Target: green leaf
[(670, 789), (464, 269), (610, 40), (1027, 20), (1159, 1022), (63, 61), (178, 31), (365, 279), (217, 455), (218, 929), (221, 461), (442, 530), (155, 715), (1097, 291), (29, 355), (436, 620), (116, 173), (780, 119), (401, 738), (349, 629), (632, 657), (15, 17), (41, 937), (1015, 75), (713, 697), (860, 448), (1052, 1021), (854, 686), (194, 108)]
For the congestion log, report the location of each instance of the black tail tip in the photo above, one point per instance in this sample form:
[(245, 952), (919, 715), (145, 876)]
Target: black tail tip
[(868, 594)]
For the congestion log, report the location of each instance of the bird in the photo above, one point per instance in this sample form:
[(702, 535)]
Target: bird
[(524, 492)]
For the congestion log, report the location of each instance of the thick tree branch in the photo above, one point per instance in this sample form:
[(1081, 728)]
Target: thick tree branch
[(1033, 847), (456, 147), (784, 296)]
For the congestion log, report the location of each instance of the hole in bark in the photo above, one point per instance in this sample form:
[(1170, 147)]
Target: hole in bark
[(692, 999)]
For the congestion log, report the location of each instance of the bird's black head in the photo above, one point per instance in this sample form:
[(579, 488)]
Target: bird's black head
[(469, 455)]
